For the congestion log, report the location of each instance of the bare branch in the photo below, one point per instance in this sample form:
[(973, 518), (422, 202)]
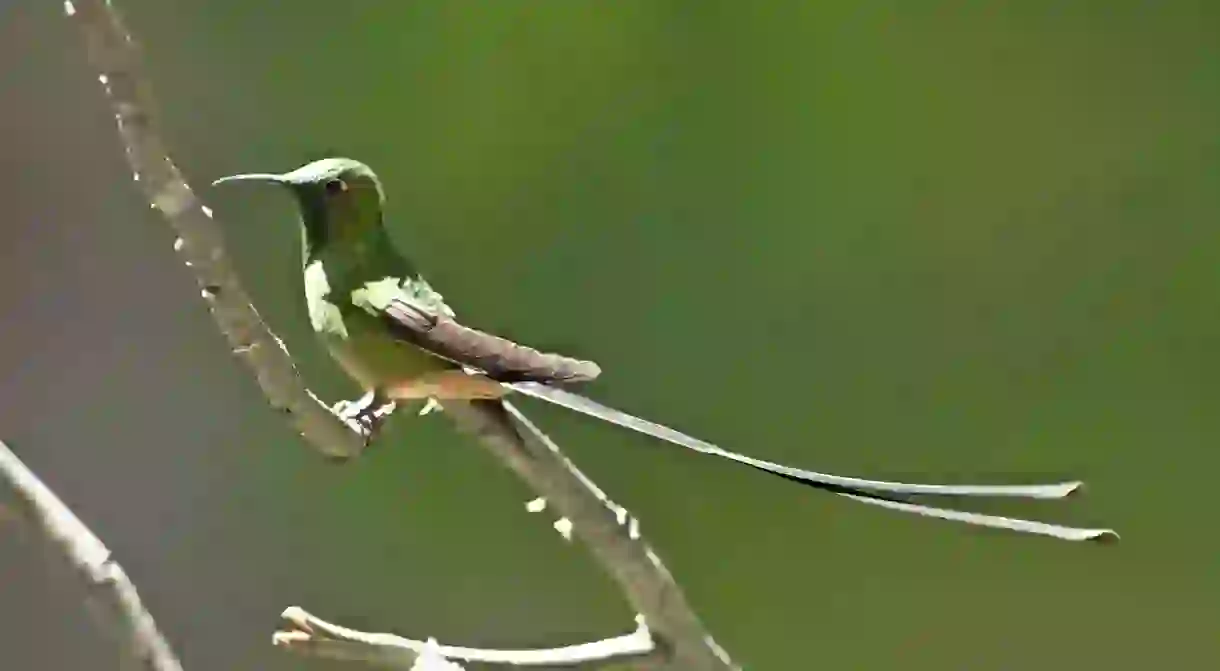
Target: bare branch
[(108, 584), (310, 634), (115, 56)]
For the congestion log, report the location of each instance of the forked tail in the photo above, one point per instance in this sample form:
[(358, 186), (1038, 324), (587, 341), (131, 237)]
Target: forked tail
[(881, 493)]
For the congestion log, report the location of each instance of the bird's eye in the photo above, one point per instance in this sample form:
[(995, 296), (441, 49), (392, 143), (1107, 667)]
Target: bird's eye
[(336, 185)]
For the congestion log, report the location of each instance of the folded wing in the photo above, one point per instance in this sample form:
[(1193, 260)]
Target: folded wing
[(499, 358)]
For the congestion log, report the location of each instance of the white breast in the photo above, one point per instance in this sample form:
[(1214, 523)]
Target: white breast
[(323, 315)]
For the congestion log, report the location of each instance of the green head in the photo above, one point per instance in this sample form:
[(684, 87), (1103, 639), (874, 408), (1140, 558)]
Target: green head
[(340, 199)]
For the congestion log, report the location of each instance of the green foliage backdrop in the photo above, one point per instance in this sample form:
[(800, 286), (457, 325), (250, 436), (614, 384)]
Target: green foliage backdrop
[(932, 240)]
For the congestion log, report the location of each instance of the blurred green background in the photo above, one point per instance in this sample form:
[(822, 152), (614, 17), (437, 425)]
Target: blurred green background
[(932, 241)]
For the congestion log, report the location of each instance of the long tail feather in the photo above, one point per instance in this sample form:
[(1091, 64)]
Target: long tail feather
[(592, 408), (990, 521), (871, 492)]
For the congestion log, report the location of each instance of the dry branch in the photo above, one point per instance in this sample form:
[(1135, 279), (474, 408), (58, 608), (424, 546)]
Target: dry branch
[(311, 634)]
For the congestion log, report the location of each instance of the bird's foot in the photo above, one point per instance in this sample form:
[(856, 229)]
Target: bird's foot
[(365, 415)]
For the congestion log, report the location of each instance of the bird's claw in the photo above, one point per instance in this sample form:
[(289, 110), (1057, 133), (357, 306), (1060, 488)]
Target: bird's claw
[(364, 415), (430, 406)]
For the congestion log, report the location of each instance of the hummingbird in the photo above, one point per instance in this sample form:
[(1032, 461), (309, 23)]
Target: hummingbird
[(396, 337)]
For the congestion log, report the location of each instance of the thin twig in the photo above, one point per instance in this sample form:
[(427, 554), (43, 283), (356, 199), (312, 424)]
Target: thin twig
[(115, 56), (313, 635), (611, 534), (108, 584)]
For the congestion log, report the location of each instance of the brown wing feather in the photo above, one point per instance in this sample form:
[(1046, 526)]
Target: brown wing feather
[(501, 359)]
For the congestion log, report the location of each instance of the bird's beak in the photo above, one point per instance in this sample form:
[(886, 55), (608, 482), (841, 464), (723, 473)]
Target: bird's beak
[(254, 177)]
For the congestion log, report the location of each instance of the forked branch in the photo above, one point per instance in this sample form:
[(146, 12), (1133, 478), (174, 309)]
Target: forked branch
[(610, 533)]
